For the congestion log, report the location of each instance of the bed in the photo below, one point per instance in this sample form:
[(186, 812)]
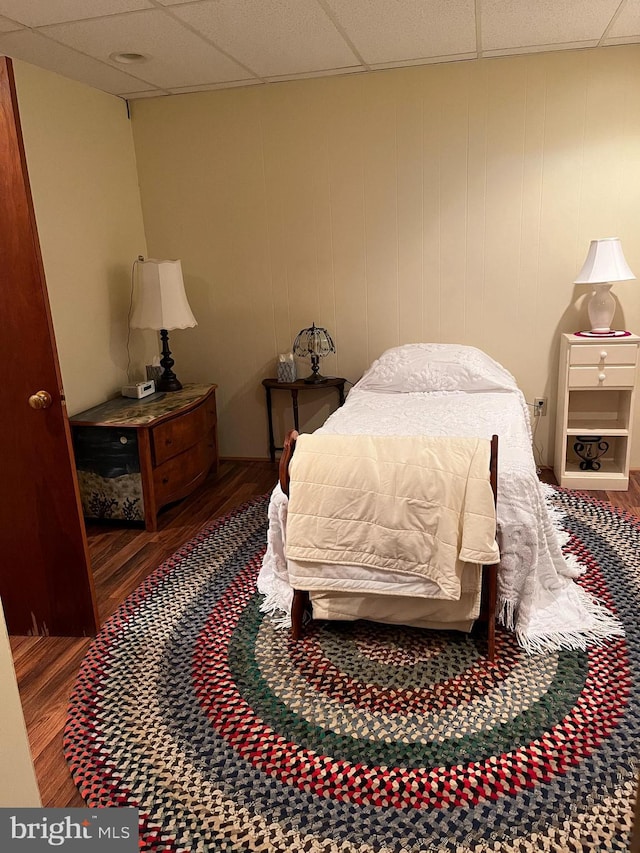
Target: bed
[(450, 390), (444, 500)]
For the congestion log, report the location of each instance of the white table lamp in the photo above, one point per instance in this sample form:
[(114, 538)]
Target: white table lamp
[(605, 264), (161, 304)]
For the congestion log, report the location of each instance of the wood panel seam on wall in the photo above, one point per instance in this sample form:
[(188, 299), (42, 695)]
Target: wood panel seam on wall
[(581, 183), (268, 228), (395, 140), (331, 242), (363, 178)]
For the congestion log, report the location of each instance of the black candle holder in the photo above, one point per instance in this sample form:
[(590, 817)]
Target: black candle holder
[(590, 448)]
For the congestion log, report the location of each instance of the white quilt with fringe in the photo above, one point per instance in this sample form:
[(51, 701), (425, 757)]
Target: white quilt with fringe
[(449, 390)]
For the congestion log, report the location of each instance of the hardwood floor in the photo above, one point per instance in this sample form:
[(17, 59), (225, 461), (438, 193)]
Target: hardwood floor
[(629, 500), (46, 667), (122, 557)]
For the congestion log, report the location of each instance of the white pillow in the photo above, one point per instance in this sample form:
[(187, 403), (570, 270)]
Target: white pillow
[(435, 367)]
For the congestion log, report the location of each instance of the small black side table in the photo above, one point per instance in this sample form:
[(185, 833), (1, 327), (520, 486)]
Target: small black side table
[(299, 385)]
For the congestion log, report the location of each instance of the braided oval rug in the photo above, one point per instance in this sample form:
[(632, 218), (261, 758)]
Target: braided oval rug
[(193, 707)]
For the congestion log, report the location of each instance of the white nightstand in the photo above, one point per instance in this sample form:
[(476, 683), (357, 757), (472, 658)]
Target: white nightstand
[(596, 390)]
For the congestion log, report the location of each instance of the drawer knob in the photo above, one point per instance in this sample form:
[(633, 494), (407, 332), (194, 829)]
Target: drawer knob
[(168, 441), (604, 353), (602, 376), (165, 480)]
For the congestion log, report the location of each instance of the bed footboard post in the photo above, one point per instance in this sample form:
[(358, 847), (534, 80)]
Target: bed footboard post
[(298, 607), (287, 453), (493, 468), (300, 601), (492, 571), (492, 598)]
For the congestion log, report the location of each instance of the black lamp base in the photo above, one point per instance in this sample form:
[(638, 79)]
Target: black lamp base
[(315, 377), (168, 381)]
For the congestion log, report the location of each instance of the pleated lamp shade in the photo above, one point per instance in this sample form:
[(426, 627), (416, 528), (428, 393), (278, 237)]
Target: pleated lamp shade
[(161, 302)]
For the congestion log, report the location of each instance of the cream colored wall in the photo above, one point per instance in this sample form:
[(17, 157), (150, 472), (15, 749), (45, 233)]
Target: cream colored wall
[(18, 785), (439, 203), (84, 184)]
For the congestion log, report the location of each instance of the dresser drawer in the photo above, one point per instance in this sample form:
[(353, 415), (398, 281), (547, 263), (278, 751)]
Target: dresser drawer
[(176, 477), (177, 435), (601, 354), (602, 377)]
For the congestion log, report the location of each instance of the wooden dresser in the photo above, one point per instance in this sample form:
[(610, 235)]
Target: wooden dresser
[(135, 456)]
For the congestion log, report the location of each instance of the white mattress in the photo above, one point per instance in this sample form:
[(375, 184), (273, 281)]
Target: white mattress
[(447, 413), (397, 610)]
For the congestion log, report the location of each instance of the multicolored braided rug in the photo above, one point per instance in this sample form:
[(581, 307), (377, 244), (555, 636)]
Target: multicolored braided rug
[(228, 736)]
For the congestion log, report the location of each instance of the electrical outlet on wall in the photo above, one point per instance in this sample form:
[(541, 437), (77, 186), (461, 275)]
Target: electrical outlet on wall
[(539, 407)]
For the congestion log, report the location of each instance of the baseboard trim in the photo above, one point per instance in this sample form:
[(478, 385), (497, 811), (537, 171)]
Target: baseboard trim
[(246, 459)]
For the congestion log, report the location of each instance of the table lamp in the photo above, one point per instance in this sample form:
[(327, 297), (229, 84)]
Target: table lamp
[(317, 343), (605, 264), (161, 304)]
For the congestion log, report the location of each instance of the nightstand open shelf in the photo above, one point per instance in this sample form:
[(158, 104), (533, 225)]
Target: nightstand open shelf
[(596, 390), (608, 410), (611, 462)]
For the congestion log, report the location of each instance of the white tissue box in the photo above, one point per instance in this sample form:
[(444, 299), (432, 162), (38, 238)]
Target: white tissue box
[(154, 372), (286, 368)]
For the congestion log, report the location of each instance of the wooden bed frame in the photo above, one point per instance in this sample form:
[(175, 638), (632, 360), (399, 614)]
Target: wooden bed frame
[(301, 600)]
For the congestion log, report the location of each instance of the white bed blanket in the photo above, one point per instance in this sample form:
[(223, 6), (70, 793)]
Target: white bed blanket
[(537, 595), (421, 505)]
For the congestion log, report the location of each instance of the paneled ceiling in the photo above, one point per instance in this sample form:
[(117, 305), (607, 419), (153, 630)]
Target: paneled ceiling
[(193, 45)]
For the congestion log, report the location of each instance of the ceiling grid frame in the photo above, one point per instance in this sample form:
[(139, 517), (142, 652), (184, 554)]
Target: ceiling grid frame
[(200, 45)]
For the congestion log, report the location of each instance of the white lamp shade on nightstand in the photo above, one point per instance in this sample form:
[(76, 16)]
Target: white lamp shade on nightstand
[(161, 302), (605, 263)]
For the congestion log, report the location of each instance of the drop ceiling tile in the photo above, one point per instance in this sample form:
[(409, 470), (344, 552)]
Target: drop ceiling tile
[(406, 29), (523, 23), (176, 57), (32, 47), (7, 26), (272, 37), (628, 21), (39, 13)]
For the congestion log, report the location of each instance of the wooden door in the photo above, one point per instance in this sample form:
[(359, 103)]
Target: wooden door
[(45, 578)]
